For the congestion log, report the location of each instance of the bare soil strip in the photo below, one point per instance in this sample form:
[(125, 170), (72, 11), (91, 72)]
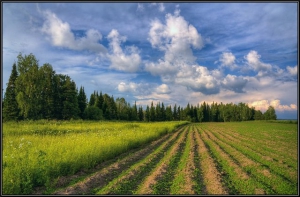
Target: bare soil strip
[(290, 176), (270, 144), (108, 172), (187, 188), (279, 152), (183, 182), (161, 168), (211, 176), (240, 173), (129, 179)]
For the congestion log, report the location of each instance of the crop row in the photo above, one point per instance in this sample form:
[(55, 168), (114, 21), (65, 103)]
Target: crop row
[(246, 169)]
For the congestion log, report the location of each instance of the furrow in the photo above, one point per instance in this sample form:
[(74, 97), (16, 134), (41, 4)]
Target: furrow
[(129, 179), (211, 177), (277, 182), (109, 170), (233, 174), (267, 149), (152, 183), (255, 184), (183, 182)]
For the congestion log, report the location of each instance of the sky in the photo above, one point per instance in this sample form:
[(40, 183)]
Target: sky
[(175, 53)]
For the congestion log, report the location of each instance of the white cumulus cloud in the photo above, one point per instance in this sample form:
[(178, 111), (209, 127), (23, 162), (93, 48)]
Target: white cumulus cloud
[(163, 89), (128, 61), (234, 83), (227, 59), (177, 38), (292, 70), (61, 35), (253, 60), (264, 104)]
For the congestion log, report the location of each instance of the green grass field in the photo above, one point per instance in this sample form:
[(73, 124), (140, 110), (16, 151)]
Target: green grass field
[(254, 157)]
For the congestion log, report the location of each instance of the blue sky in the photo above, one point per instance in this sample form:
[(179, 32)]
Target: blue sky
[(164, 52)]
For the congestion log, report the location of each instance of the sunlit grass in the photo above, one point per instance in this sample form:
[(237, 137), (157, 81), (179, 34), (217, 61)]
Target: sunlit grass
[(37, 153)]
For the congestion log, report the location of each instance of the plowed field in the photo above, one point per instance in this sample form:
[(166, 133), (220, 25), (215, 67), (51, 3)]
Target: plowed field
[(205, 158)]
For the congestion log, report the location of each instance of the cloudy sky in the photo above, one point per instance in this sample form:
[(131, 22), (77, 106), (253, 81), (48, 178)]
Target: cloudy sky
[(164, 52)]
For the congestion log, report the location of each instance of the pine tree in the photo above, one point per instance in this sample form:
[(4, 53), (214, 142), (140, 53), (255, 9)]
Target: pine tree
[(82, 101), (152, 112), (10, 104), (163, 112), (70, 103), (147, 114), (141, 114), (93, 99), (169, 114), (134, 112), (175, 115)]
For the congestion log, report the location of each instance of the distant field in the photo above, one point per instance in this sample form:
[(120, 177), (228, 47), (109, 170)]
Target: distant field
[(150, 158)]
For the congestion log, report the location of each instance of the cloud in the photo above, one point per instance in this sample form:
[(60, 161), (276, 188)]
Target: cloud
[(161, 6), (227, 59), (292, 70), (128, 61), (264, 104), (140, 7), (234, 83), (131, 87), (61, 35), (253, 61), (163, 89), (197, 78), (175, 38)]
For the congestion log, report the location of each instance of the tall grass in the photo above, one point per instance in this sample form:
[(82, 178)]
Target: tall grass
[(36, 153)]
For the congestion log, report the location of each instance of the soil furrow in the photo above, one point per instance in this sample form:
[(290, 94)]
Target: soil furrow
[(183, 182), (245, 161), (211, 176), (239, 173), (271, 156), (107, 171), (146, 187), (129, 179)]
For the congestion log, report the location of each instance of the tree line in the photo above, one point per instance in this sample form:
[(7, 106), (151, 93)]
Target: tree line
[(36, 92)]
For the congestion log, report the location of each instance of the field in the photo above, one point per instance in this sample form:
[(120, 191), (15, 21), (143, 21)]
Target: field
[(150, 158)]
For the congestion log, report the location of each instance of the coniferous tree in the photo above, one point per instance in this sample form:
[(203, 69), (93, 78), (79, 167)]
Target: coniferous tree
[(134, 112), (92, 99), (70, 103), (152, 112), (169, 115), (141, 114), (175, 115), (10, 104), (158, 112), (163, 112), (82, 102), (147, 114)]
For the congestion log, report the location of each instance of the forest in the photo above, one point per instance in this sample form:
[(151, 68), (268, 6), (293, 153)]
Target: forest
[(37, 92)]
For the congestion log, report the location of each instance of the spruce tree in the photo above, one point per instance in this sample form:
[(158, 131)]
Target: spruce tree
[(82, 101), (10, 104)]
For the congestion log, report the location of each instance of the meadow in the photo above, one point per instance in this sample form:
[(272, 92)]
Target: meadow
[(36, 153), (253, 157)]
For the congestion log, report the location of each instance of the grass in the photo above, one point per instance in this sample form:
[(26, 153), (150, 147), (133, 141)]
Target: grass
[(255, 157), (36, 153)]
